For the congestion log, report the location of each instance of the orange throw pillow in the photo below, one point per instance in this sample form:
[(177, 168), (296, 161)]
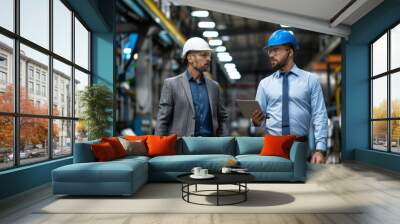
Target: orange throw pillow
[(103, 151), (161, 145), (277, 145), (116, 145)]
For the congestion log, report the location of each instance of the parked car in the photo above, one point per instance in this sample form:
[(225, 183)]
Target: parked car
[(22, 155)]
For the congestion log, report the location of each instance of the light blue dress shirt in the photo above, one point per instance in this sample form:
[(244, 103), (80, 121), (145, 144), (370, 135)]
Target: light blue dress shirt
[(306, 105)]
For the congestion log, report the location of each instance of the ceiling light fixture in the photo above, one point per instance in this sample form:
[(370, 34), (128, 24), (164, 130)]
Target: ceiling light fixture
[(210, 34), (208, 25), (234, 75), (215, 42), (230, 66), (200, 13), (220, 49)]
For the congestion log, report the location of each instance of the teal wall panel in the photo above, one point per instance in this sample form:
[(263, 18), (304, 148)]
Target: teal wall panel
[(355, 85), (103, 58), (24, 178), (103, 64), (377, 158)]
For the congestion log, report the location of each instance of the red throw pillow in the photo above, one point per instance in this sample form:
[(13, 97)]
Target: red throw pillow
[(103, 151), (116, 145), (161, 145), (277, 145)]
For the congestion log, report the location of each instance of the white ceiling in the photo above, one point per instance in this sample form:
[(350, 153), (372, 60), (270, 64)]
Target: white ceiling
[(314, 15)]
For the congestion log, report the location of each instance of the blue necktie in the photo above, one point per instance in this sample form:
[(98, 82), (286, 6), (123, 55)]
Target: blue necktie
[(285, 104)]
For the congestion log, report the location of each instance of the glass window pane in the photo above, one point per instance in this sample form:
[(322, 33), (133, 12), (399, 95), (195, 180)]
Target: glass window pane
[(6, 142), (81, 81), (62, 29), (62, 89), (34, 97), (6, 74), (379, 55), (62, 138), (35, 21), (395, 95), (7, 14), (379, 135), (81, 131), (395, 47), (33, 139), (395, 136), (379, 97), (81, 45)]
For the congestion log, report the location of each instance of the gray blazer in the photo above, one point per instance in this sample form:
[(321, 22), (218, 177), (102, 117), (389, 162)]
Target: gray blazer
[(176, 114)]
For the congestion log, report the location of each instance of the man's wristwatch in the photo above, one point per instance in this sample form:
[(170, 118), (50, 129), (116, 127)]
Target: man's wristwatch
[(321, 151)]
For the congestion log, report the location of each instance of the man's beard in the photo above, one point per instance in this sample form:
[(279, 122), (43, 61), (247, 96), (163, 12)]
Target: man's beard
[(202, 69), (280, 64)]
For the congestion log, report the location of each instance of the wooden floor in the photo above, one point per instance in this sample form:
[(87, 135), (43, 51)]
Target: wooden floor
[(378, 189)]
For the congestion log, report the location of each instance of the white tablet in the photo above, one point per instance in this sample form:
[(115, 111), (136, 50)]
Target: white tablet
[(247, 107)]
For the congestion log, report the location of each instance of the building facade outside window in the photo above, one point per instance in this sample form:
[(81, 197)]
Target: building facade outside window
[(385, 96), (36, 116)]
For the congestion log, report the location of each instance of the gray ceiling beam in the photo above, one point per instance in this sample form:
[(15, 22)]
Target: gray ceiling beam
[(268, 15)]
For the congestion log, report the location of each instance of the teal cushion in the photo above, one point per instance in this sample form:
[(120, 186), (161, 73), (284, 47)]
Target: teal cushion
[(111, 171), (208, 145), (185, 163), (133, 157), (83, 152), (257, 163), (249, 145)]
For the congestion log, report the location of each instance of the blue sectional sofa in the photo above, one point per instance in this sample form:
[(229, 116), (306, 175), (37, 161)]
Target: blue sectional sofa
[(125, 176)]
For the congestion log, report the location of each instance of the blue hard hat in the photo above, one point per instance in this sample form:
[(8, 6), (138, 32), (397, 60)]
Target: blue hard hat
[(282, 37)]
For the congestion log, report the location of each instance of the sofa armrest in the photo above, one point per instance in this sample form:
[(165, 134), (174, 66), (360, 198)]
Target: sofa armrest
[(83, 152), (298, 157)]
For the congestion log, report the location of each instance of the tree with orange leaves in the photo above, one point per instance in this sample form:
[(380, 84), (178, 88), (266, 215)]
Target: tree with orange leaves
[(33, 130)]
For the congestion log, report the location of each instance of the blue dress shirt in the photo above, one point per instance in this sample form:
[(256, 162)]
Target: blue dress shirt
[(306, 105), (203, 119)]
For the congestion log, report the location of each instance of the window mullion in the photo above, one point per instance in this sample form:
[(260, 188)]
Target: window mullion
[(16, 84), (50, 81), (73, 81), (389, 106)]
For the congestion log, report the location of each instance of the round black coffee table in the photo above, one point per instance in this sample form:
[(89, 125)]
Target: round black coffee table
[(238, 179)]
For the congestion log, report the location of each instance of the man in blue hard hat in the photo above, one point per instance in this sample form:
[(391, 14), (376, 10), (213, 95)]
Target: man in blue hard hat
[(291, 99)]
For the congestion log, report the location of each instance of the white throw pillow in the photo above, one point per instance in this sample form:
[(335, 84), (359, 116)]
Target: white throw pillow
[(136, 148)]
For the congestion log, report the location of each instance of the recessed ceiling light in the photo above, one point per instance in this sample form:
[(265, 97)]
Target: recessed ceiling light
[(204, 24), (200, 13), (229, 65), (215, 42), (234, 75), (220, 49), (210, 33)]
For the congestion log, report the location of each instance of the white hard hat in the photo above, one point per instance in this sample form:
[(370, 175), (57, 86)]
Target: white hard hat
[(195, 44)]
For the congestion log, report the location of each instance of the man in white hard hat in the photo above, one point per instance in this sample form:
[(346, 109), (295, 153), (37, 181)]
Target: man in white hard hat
[(190, 103)]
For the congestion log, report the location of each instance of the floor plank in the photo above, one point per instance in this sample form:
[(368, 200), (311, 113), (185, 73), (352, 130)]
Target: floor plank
[(377, 191)]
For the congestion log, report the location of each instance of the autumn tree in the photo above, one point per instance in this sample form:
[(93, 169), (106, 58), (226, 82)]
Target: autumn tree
[(380, 127), (33, 130)]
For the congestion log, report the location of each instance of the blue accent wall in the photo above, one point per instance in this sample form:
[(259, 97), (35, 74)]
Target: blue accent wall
[(103, 63), (355, 85), (24, 178), (99, 16)]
